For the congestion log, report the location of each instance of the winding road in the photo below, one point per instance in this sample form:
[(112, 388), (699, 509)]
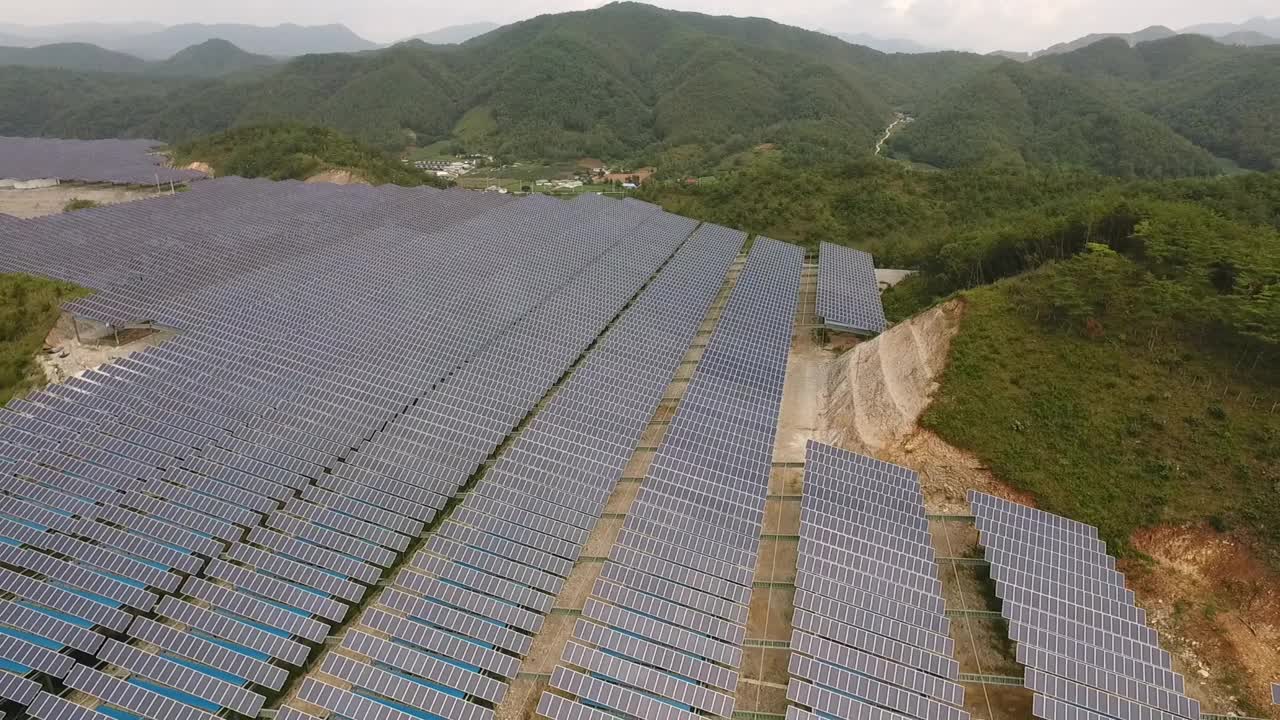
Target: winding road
[(888, 132)]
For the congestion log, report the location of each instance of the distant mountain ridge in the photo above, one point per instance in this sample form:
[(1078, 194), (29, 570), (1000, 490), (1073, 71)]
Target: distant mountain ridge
[(696, 94), (1251, 33), (456, 34), (884, 44), (72, 56), (212, 58), (1263, 26), (157, 42)]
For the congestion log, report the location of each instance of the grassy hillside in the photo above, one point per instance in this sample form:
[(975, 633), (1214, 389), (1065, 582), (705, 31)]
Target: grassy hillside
[(1125, 368), (1018, 115), (1089, 383), (296, 152), (28, 310)]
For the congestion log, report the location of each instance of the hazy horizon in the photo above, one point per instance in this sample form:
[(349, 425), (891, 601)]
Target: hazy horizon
[(980, 25)]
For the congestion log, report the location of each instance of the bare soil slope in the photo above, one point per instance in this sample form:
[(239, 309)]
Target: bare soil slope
[(51, 200)]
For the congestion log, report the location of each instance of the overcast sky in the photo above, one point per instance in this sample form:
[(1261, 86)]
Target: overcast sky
[(982, 25)]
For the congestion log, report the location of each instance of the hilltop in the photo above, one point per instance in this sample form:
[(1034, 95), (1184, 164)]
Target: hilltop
[(212, 58), (454, 34), (1025, 115), (693, 95), (152, 41)]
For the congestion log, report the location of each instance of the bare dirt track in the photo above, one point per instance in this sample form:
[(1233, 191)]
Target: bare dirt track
[(51, 200), (338, 177)]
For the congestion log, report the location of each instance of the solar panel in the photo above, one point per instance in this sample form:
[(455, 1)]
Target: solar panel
[(117, 161), (182, 678), (207, 652), (221, 626), (48, 626), (848, 293), (1086, 647), (134, 698), (18, 689), (51, 707), (673, 594), (869, 637)]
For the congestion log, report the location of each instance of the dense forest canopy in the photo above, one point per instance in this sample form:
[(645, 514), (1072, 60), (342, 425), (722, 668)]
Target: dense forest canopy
[(690, 93)]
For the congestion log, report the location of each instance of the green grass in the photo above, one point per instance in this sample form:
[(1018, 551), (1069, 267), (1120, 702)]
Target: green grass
[(435, 151), (79, 204), (28, 310), (1105, 432)]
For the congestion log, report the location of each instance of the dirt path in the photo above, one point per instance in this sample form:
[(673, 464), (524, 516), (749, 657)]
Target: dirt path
[(39, 202), (898, 119)]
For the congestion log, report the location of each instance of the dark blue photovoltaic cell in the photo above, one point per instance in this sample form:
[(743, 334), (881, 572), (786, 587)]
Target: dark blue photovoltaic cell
[(249, 479), (868, 630), (671, 601), (848, 292), (1085, 644)]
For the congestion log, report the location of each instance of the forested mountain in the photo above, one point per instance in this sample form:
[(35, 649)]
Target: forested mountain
[(211, 58), (1225, 99), (1028, 115), (623, 81), (694, 93)]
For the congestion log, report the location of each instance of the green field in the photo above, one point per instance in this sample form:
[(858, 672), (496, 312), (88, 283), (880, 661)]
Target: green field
[(1106, 432), (28, 310)]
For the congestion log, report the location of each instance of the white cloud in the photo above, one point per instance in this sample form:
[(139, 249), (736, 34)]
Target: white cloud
[(974, 24)]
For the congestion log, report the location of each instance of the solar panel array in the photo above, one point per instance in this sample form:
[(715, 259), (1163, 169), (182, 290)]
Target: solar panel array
[(870, 638), (1086, 646), (661, 636), (218, 503), (446, 635), (1275, 693), (113, 161), (848, 292)]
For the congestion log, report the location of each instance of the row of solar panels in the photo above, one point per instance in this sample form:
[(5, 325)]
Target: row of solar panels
[(870, 638), (848, 292), (202, 244), (178, 451), (114, 161), (1087, 649), (661, 634), (456, 621)]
